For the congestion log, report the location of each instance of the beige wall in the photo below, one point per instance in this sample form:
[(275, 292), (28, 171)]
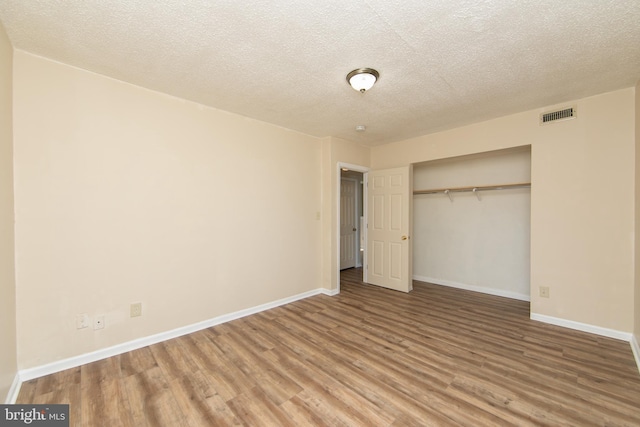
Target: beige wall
[(8, 366), (334, 151), (582, 201), (126, 195)]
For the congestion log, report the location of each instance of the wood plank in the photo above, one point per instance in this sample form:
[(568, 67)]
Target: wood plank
[(174, 360), (199, 407), (104, 398), (152, 402)]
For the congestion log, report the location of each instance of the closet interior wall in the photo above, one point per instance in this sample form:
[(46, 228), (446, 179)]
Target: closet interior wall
[(480, 241)]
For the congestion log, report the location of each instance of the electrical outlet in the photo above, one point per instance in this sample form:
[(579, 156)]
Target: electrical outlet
[(98, 322), (544, 291), (136, 309), (82, 321)]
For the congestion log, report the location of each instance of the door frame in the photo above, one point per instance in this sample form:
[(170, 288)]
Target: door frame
[(364, 170)]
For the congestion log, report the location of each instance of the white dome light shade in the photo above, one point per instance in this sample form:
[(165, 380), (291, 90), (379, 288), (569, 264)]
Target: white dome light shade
[(362, 79), (362, 82)]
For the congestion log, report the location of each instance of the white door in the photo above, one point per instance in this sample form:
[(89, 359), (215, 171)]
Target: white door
[(348, 241), (389, 228)]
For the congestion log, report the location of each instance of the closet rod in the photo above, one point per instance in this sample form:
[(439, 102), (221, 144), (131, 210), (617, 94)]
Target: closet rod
[(474, 189)]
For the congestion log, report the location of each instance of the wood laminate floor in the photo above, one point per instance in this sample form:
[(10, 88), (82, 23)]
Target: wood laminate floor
[(367, 357)]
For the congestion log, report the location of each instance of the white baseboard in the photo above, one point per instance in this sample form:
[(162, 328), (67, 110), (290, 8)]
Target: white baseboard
[(330, 292), (72, 362), (636, 350), (584, 327), (14, 390), (481, 289)]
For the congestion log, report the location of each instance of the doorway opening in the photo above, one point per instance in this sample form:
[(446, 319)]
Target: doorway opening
[(351, 221)]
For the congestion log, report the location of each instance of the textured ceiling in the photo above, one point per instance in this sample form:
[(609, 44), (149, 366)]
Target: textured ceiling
[(442, 63)]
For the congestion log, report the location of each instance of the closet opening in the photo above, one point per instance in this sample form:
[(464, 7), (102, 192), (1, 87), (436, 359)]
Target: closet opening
[(472, 222)]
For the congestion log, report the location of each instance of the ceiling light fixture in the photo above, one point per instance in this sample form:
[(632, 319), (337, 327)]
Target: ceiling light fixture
[(363, 79)]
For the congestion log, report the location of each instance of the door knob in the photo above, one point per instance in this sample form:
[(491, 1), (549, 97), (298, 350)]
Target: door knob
[(405, 237), (354, 229)]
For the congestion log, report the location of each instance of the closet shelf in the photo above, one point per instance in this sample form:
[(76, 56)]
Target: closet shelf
[(474, 189)]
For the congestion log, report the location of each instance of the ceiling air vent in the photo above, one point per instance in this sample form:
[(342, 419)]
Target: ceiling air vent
[(555, 116)]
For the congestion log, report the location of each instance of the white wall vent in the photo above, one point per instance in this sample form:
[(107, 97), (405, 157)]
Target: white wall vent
[(555, 116)]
